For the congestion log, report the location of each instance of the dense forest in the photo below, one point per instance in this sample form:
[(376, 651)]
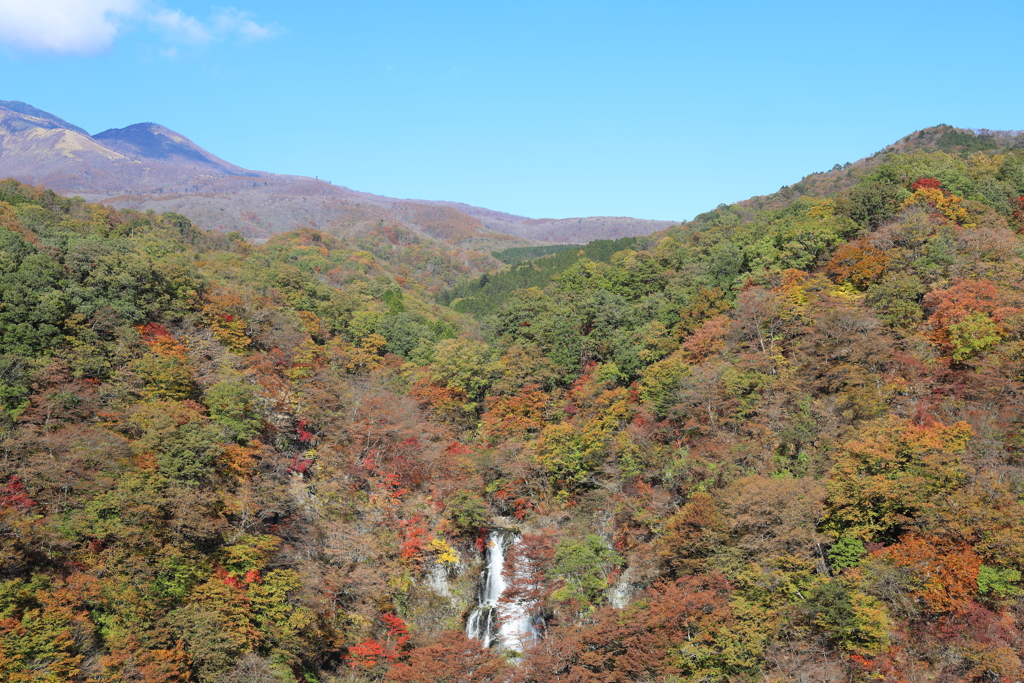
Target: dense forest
[(782, 442), (484, 294)]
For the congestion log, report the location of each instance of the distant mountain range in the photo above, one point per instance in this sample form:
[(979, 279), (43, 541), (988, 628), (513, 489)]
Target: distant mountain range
[(147, 166)]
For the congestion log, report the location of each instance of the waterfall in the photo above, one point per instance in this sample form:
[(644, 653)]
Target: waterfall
[(623, 588), (491, 623)]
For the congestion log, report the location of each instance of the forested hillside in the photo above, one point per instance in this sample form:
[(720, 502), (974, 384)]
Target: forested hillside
[(485, 293), (779, 442)]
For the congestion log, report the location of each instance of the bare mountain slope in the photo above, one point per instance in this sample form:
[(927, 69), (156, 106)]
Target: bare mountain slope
[(148, 166), (152, 142), (39, 114), (568, 230)]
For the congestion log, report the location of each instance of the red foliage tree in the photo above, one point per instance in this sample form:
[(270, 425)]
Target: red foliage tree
[(454, 658), (1017, 215), (642, 641), (371, 652), (945, 574), (526, 569), (927, 183), (414, 542), (13, 497)]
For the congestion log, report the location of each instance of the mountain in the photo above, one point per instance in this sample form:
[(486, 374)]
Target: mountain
[(147, 166), (40, 115), (154, 142)]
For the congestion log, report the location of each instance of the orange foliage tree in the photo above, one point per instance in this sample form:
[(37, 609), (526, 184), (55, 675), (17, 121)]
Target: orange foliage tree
[(926, 192), (966, 318), (883, 479), (944, 574), (858, 263)]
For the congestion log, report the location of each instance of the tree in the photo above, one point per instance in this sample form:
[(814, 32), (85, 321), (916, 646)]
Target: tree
[(853, 620), (684, 628), (965, 318), (873, 202), (890, 474), (466, 366), (582, 569), (32, 307), (777, 516), (859, 263), (454, 658), (943, 575), (233, 407), (179, 438), (38, 621), (691, 535)]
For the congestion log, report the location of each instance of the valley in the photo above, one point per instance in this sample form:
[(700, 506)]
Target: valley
[(344, 438)]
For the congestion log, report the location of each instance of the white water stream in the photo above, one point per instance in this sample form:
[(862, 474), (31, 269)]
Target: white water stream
[(494, 624)]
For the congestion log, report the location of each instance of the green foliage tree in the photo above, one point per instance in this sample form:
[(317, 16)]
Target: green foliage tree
[(858, 623), (466, 512), (582, 568), (233, 407), (182, 442)]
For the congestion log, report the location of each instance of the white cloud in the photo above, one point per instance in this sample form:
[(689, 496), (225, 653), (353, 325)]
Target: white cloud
[(230, 20), (64, 26), (88, 27), (180, 26)]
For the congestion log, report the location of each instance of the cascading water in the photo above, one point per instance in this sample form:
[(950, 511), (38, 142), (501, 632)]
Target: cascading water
[(494, 624)]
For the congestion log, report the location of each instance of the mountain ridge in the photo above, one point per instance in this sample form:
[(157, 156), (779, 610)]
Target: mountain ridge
[(153, 141), (149, 166)]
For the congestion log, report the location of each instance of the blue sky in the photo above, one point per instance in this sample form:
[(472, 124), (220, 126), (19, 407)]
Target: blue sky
[(645, 109)]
